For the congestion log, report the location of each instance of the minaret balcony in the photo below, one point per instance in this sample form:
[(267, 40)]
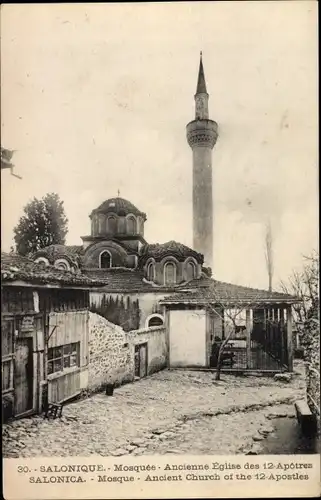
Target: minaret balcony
[(203, 133)]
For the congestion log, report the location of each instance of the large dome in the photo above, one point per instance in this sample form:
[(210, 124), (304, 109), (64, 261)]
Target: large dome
[(118, 206)]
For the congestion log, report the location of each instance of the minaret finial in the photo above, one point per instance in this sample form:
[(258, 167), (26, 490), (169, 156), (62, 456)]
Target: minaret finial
[(201, 85), (118, 193)]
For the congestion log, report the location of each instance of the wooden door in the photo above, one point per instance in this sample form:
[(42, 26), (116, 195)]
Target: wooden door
[(143, 360), (23, 378), (137, 361)]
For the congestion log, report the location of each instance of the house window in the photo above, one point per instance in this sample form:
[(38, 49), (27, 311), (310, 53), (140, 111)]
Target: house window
[(63, 300), (105, 260), (7, 334), (7, 328), (111, 225), (131, 225), (151, 271), (17, 300), (169, 273), (6, 371), (190, 271), (63, 357)]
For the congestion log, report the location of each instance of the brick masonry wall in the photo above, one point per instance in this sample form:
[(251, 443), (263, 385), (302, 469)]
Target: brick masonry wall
[(110, 356)]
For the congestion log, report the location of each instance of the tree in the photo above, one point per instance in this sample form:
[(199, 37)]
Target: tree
[(269, 253), (125, 314), (44, 223), (230, 309), (304, 284)]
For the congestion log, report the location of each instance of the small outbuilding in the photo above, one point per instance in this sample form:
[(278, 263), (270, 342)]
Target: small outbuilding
[(255, 326)]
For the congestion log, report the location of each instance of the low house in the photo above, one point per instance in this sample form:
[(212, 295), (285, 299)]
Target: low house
[(44, 334), (54, 347), (198, 320)]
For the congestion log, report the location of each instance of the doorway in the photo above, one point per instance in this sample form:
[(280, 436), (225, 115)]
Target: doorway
[(23, 379), (141, 360)]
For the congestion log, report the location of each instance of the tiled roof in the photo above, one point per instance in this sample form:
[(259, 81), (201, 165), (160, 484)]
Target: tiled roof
[(119, 206), (209, 290), (116, 277), (53, 252), (15, 267), (124, 280), (160, 250)]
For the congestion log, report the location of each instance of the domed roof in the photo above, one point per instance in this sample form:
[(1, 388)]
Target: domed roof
[(118, 206), (172, 248), (55, 251)]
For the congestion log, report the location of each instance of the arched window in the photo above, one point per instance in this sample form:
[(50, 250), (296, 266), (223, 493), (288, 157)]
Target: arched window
[(112, 225), (155, 321), (101, 224), (151, 271), (169, 273), (105, 260), (62, 264), (42, 261), (94, 226), (190, 271), (131, 225)]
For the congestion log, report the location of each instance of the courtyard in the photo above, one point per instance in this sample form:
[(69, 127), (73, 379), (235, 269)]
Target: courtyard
[(170, 412)]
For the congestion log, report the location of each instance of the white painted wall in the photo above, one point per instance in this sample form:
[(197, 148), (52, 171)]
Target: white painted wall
[(187, 338)]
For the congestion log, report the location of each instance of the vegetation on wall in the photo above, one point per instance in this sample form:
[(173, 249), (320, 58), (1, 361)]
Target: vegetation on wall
[(305, 284), (120, 311), (44, 223)]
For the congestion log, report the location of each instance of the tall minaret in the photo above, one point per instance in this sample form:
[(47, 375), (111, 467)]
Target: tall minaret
[(202, 134)]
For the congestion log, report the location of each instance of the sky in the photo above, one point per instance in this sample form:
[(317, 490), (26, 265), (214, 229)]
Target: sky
[(96, 97)]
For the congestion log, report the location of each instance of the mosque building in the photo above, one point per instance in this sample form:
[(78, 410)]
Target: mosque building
[(117, 226), (145, 283)]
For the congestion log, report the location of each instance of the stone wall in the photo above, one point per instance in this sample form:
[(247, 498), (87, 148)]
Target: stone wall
[(313, 379), (157, 346), (110, 356), (112, 352), (311, 342)]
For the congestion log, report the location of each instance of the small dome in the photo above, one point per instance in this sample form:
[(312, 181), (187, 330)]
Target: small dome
[(118, 206), (55, 251)]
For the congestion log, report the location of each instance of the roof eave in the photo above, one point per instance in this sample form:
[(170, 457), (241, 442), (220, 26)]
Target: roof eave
[(230, 302)]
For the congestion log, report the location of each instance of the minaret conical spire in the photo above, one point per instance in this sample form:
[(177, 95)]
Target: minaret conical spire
[(201, 84), (202, 134)]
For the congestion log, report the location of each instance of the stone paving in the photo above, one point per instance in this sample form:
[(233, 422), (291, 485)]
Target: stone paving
[(175, 412)]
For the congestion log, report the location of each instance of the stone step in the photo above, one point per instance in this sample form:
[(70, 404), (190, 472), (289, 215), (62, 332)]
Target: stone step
[(305, 417)]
